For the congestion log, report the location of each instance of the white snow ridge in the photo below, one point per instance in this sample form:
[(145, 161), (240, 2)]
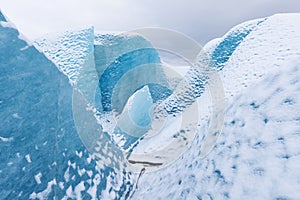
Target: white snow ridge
[(258, 154)]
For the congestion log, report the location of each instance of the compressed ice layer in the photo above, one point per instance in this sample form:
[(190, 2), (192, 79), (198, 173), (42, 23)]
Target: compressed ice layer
[(119, 67), (139, 107), (118, 59), (135, 119)]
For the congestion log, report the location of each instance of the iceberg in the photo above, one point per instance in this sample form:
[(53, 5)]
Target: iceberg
[(101, 68), (123, 58), (42, 156), (257, 154), (75, 108), (137, 113)]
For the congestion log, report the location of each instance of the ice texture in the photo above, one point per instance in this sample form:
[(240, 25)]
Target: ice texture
[(124, 58), (77, 81), (69, 51), (137, 113), (38, 134), (101, 66), (257, 154)]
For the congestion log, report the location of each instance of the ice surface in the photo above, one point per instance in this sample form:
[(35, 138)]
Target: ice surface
[(137, 113), (231, 41), (2, 18), (257, 154), (52, 142), (101, 67), (42, 138), (121, 59), (69, 51)]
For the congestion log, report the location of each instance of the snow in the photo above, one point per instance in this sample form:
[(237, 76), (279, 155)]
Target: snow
[(4, 139), (7, 24), (69, 192), (38, 178), (45, 193), (78, 189), (61, 185), (28, 159), (257, 154), (69, 50), (16, 115), (79, 154)]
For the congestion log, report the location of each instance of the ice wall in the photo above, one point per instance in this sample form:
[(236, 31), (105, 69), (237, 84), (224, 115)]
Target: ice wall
[(42, 156)]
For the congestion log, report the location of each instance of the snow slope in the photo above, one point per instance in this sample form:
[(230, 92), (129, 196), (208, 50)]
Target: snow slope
[(257, 156)]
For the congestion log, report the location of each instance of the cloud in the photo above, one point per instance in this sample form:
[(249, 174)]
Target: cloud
[(200, 19)]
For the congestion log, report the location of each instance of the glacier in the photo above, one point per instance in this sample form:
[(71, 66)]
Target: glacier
[(61, 96), (100, 66), (42, 156), (257, 153)]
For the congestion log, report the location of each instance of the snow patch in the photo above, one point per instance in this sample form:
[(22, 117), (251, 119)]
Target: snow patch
[(4, 139), (28, 158), (38, 178)]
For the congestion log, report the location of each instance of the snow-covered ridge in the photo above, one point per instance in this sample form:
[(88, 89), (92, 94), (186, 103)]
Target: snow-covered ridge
[(257, 155)]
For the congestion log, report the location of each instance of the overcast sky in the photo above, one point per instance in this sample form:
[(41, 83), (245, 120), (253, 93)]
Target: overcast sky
[(203, 20)]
